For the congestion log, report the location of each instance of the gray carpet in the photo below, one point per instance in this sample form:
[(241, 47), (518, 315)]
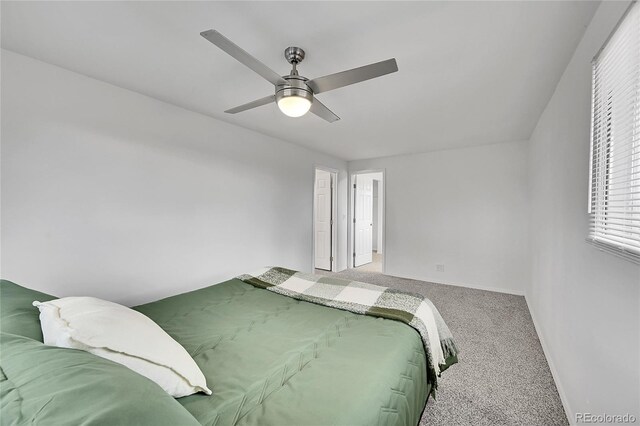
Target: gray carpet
[(502, 377)]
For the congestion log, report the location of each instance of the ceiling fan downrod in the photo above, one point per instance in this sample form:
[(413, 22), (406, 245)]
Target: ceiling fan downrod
[(294, 55)]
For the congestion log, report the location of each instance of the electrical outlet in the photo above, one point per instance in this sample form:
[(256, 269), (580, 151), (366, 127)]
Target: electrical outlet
[(440, 268)]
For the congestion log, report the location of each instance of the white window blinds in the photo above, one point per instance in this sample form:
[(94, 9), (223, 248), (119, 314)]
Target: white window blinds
[(614, 188)]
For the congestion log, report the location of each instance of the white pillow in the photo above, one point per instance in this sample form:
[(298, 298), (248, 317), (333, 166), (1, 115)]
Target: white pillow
[(124, 336)]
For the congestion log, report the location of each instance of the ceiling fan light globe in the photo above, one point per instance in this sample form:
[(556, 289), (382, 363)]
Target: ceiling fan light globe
[(294, 106)]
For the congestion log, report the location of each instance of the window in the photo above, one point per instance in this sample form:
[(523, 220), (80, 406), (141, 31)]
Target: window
[(614, 203)]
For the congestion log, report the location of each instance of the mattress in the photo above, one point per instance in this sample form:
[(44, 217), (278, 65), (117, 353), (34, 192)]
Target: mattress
[(274, 360)]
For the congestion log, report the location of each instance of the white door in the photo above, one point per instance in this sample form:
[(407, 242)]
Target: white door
[(364, 220), (322, 221)]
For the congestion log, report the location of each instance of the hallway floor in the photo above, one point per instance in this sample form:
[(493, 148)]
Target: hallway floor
[(375, 266)]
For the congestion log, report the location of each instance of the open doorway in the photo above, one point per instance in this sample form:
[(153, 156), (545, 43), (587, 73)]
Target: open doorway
[(368, 221), (324, 219)]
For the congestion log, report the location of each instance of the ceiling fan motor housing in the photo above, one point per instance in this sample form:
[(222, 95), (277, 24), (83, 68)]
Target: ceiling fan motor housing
[(296, 86)]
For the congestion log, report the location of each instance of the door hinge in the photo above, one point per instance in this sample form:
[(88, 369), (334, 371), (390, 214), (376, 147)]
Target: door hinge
[(331, 222), (354, 254), (331, 259), (354, 220), (354, 186)]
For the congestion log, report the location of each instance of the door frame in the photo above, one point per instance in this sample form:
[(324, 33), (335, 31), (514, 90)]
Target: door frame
[(334, 215), (351, 209)]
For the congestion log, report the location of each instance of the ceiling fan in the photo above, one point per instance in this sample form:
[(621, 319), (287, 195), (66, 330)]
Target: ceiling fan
[(295, 94)]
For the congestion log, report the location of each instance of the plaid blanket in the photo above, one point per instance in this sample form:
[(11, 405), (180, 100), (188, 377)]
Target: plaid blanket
[(367, 299)]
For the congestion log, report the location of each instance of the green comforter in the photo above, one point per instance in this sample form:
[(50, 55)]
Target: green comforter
[(269, 359), (274, 360)]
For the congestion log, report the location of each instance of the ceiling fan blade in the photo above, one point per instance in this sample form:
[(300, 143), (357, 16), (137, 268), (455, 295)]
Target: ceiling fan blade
[(241, 55), (352, 76), (254, 104), (322, 111)]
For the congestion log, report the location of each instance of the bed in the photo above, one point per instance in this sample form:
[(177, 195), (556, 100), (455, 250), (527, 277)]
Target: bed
[(269, 359)]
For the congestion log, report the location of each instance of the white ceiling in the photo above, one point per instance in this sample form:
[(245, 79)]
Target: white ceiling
[(471, 73)]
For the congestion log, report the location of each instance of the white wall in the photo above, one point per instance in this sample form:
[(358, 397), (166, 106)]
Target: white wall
[(585, 302), (109, 193), (464, 208)]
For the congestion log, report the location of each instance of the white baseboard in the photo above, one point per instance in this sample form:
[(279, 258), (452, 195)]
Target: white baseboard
[(473, 286), (480, 287), (554, 372)]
